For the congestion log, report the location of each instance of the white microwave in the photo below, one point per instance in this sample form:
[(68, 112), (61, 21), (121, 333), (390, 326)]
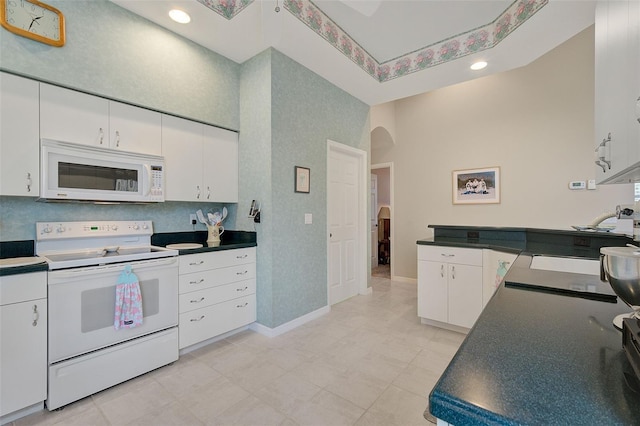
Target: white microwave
[(75, 172)]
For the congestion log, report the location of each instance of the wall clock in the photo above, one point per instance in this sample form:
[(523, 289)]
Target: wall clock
[(34, 20)]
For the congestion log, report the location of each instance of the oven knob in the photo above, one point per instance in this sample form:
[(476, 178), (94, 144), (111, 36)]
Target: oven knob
[(114, 227), (47, 229), (136, 227), (144, 226), (60, 229)]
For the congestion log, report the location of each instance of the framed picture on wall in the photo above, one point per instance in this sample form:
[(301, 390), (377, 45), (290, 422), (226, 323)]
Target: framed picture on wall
[(476, 186), (302, 179)]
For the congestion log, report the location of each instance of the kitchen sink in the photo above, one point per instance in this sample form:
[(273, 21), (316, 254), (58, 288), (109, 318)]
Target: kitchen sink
[(566, 264)]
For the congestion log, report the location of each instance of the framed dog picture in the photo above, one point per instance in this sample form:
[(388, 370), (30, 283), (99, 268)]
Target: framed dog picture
[(476, 186)]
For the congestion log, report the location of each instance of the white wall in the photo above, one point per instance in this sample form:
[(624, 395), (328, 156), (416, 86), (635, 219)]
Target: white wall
[(535, 123)]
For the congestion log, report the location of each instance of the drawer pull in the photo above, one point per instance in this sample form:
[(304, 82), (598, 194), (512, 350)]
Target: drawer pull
[(244, 256), (197, 282), (242, 289), (242, 306), (36, 315), (197, 301), (447, 255), (197, 319), (196, 263), (241, 273)]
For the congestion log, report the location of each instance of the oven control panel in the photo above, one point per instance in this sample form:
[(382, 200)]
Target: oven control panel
[(63, 230)]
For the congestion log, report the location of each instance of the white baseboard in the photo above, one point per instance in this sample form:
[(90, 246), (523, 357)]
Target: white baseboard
[(211, 340), (366, 292), (288, 326), (404, 279)]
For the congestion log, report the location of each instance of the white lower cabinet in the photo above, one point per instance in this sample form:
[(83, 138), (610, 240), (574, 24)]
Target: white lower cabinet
[(455, 284), (23, 341), (449, 285), (217, 294)]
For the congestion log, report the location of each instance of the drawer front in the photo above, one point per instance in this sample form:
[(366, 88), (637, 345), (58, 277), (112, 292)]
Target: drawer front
[(205, 323), (219, 259), (214, 295), (446, 254), (207, 279), (23, 287)]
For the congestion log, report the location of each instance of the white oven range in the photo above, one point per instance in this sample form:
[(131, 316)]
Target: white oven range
[(86, 354)]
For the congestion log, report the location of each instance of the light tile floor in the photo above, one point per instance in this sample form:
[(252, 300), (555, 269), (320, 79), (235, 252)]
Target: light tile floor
[(368, 362)]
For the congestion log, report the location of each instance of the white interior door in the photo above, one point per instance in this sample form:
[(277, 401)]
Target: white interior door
[(374, 220), (345, 188)]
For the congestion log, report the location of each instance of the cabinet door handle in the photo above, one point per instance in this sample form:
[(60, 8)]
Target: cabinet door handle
[(117, 138), (244, 256), (101, 135), (197, 319), (442, 271), (196, 263), (28, 182), (208, 192), (197, 301), (447, 255), (241, 273), (36, 315), (198, 192), (197, 282), (242, 306), (242, 289), (453, 272)]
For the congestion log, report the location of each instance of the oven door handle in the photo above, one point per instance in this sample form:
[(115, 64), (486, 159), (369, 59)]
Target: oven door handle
[(137, 265)]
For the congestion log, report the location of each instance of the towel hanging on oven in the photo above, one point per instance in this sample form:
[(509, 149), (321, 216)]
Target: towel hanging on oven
[(128, 312)]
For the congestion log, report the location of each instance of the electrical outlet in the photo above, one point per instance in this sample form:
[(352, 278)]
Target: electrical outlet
[(193, 219)]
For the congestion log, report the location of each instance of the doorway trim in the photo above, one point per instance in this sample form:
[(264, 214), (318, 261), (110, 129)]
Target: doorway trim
[(362, 258), (393, 211)]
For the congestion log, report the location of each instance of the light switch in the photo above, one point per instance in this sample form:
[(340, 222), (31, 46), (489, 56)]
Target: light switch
[(591, 184), (308, 218)]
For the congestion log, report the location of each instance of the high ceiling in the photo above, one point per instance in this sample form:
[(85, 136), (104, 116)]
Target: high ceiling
[(380, 50)]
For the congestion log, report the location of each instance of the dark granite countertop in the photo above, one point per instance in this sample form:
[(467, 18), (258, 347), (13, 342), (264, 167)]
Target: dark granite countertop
[(24, 248), (555, 242), (539, 357), (228, 241)]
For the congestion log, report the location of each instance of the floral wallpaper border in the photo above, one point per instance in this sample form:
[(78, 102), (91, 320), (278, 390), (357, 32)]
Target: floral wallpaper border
[(226, 8), (473, 41)]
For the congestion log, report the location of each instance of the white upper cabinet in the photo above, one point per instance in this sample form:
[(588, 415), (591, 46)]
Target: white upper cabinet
[(182, 150), (19, 136), (201, 161), (134, 129), (220, 168), (70, 116), (617, 89)]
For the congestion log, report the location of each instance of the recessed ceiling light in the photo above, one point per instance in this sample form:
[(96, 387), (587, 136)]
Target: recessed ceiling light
[(180, 16), (478, 65)]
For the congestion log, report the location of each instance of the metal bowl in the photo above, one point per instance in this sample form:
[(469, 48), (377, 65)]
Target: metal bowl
[(622, 268)]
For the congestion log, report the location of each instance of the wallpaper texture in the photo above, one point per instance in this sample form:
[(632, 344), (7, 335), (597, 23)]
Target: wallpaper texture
[(119, 55), (306, 110), (285, 114)]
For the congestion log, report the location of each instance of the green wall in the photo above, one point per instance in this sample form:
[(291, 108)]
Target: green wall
[(285, 114), (117, 54), (131, 59), (306, 110)]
